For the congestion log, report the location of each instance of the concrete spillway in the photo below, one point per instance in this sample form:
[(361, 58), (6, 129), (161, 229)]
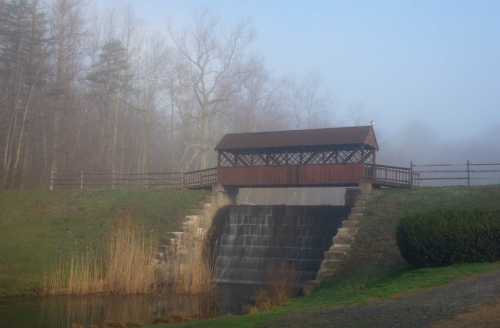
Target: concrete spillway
[(252, 241)]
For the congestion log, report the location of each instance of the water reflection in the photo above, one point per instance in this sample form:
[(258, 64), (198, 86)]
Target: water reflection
[(119, 311)]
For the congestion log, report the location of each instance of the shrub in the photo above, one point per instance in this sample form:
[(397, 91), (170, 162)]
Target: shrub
[(445, 237)]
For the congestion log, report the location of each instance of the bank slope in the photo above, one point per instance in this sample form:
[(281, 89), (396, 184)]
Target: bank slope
[(375, 269), (38, 229)]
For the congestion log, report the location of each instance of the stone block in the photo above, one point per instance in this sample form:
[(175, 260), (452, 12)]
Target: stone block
[(357, 209), (350, 223), (343, 239), (339, 246)]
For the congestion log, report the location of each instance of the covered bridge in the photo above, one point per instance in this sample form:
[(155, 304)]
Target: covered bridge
[(316, 157)]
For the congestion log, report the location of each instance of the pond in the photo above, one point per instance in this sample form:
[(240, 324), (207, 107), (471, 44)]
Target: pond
[(120, 311)]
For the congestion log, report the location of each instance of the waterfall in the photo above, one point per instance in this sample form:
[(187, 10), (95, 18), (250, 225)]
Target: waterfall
[(254, 240)]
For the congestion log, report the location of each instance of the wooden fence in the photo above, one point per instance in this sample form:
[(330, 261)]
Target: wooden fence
[(443, 174), (87, 180), (464, 174), (391, 176)]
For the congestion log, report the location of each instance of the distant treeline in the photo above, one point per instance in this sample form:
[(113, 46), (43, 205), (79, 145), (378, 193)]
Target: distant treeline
[(81, 89)]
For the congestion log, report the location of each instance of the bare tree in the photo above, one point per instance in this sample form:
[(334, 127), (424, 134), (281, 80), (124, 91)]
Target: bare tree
[(309, 104), (153, 65), (212, 71), (23, 62), (102, 94), (261, 103), (67, 32)]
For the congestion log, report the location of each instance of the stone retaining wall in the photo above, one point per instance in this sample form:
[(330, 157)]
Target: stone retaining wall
[(341, 244)]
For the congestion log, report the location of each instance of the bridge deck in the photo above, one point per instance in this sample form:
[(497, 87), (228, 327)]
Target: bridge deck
[(340, 175)]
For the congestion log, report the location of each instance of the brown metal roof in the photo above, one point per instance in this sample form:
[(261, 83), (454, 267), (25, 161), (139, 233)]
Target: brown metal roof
[(343, 136)]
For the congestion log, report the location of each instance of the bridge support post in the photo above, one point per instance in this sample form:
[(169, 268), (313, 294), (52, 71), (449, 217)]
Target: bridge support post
[(351, 196), (225, 195), (366, 186)]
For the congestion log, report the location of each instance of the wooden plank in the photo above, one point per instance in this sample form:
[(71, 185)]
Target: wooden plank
[(308, 175)]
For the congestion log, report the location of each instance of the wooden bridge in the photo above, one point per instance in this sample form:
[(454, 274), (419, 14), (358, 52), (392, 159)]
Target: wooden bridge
[(338, 157), (377, 175), (333, 157)]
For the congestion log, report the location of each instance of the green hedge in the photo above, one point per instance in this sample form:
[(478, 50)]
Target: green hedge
[(445, 237)]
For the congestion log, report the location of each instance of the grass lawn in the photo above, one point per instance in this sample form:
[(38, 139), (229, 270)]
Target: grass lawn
[(38, 228), (375, 269), (350, 292)]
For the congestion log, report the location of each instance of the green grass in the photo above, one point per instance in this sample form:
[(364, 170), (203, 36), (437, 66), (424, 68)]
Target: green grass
[(376, 253), (38, 229), (375, 269), (353, 291)]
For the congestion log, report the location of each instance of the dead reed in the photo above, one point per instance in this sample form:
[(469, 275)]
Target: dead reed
[(281, 285), (189, 268), (126, 267), (130, 267)]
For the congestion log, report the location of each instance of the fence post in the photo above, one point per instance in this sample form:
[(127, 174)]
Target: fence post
[(81, 180), (51, 179), (468, 173), (411, 174)]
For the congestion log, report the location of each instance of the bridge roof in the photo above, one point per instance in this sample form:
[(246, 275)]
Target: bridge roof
[(329, 137)]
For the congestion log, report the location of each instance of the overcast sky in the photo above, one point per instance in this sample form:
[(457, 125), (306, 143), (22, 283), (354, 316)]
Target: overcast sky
[(435, 63)]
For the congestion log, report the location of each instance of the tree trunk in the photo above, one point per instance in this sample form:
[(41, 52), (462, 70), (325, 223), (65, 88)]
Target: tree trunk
[(20, 141)]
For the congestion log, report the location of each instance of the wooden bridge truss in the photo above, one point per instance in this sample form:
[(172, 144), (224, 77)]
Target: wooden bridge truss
[(360, 154)]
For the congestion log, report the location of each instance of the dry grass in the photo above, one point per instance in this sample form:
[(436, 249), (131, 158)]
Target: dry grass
[(130, 268), (126, 267), (281, 284), (189, 268), (129, 265)]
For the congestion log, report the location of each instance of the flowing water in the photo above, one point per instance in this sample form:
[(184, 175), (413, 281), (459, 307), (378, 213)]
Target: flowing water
[(255, 243), (251, 243)]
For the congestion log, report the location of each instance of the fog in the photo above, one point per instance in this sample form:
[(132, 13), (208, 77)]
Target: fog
[(142, 87), (422, 144)]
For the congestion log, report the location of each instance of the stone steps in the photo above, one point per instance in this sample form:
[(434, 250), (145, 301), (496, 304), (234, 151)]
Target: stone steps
[(334, 256), (343, 239), (355, 216), (342, 243), (351, 223), (357, 209)]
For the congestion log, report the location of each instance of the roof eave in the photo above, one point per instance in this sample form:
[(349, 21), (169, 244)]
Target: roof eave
[(295, 148)]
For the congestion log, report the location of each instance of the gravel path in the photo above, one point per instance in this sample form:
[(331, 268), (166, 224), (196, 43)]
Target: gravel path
[(417, 310)]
